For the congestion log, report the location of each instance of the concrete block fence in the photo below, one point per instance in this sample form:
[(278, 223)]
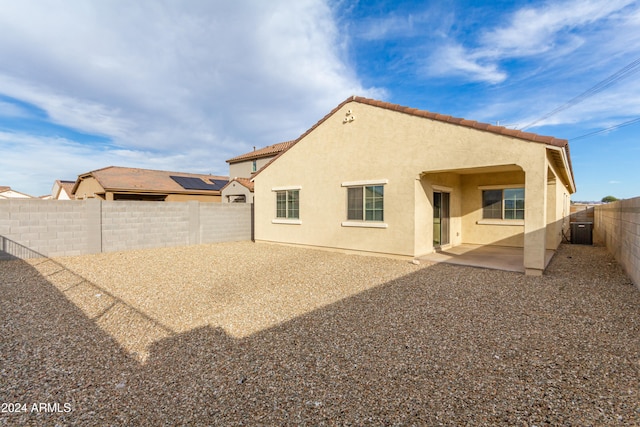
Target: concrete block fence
[(617, 225), (71, 227)]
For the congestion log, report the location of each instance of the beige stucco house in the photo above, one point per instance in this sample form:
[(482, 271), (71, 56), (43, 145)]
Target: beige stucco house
[(8, 193), (62, 190), (243, 167), (122, 183), (381, 178)]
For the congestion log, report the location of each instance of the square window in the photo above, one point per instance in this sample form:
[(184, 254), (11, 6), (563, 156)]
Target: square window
[(288, 204), (365, 203)]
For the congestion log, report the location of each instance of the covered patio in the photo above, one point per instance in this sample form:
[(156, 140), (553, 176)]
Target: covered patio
[(484, 256)]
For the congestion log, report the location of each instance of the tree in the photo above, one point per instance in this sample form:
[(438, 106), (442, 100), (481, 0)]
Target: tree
[(609, 199)]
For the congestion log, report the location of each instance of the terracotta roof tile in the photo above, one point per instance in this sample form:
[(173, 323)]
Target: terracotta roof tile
[(135, 179), (268, 151), (245, 182), (500, 130)]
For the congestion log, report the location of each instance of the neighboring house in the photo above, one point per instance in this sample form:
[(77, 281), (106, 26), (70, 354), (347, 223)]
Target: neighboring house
[(377, 177), (238, 190), (62, 190), (243, 167), (8, 193), (120, 183)]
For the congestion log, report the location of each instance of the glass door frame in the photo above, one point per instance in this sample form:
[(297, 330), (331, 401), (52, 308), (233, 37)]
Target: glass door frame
[(441, 218)]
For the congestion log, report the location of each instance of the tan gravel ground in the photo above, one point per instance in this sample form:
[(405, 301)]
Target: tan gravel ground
[(258, 334)]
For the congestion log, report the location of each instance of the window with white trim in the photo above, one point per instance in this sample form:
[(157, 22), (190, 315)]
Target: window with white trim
[(288, 204), (365, 203), (254, 166), (507, 203)]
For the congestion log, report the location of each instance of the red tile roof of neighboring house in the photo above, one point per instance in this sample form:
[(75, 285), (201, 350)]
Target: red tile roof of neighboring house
[(486, 127), (245, 182), (67, 186), (4, 188), (269, 151), (135, 179)]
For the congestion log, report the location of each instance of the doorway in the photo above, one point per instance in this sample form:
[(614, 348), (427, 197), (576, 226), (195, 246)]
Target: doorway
[(441, 219)]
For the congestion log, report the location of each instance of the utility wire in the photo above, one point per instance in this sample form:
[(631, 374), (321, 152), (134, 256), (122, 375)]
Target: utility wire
[(618, 126), (627, 71)]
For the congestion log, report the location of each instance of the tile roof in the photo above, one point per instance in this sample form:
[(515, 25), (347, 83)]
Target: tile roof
[(67, 186), (528, 136), (6, 189), (149, 180), (268, 151), (486, 127), (245, 182)]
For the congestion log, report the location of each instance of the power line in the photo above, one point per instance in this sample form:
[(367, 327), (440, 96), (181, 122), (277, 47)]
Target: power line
[(627, 71), (618, 126)]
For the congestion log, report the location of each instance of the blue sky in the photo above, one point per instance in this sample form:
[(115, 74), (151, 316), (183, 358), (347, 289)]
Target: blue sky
[(185, 85)]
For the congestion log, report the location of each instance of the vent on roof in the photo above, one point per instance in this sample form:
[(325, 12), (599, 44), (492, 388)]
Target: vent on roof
[(189, 183)]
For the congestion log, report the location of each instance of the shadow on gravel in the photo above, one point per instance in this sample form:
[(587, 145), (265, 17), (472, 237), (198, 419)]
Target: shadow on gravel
[(446, 344)]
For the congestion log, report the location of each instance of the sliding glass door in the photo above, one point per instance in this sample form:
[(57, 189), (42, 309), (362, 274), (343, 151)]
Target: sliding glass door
[(440, 219)]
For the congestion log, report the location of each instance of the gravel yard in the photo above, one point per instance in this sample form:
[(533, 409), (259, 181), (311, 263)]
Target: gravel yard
[(258, 334)]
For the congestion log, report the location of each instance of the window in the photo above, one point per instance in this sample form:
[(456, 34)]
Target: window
[(514, 203), (503, 204), (288, 204), (365, 203), (254, 166)]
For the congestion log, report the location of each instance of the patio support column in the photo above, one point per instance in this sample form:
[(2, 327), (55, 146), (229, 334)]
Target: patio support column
[(535, 220)]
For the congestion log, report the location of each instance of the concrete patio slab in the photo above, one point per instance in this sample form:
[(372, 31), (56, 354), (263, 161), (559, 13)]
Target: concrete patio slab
[(493, 257)]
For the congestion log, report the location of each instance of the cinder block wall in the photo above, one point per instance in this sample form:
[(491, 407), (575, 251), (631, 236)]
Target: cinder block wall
[(142, 225), (617, 225), (217, 225), (49, 227), (71, 227)]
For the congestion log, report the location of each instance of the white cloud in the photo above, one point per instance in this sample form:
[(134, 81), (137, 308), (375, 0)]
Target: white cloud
[(537, 30), (455, 60), (176, 78), (549, 29), (8, 109)]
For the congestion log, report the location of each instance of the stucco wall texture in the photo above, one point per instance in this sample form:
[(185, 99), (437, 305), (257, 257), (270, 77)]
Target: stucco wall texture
[(68, 227), (617, 225), (413, 156)]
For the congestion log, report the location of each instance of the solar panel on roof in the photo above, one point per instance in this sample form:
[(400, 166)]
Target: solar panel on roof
[(219, 183), (190, 183)]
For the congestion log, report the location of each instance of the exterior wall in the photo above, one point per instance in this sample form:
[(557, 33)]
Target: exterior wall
[(10, 194), (232, 223), (61, 228), (617, 225), (194, 197), (495, 232), (447, 182), (558, 207), (88, 188), (244, 169), (148, 225), (383, 144), (235, 189)]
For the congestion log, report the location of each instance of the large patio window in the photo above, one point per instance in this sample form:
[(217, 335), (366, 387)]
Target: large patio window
[(505, 203)]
